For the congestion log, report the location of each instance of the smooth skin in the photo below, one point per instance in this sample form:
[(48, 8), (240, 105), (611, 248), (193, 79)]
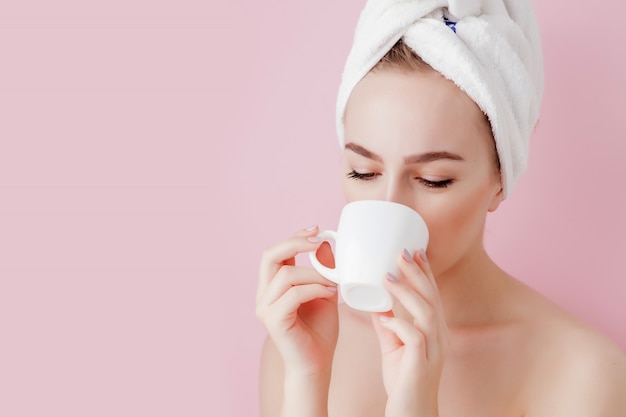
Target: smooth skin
[(464, 338)]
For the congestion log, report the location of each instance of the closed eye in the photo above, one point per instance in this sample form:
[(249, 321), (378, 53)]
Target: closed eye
[(368, 176), (362, 176), (434, 184)]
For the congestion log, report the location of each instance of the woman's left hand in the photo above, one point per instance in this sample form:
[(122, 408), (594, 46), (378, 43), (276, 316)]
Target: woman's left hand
[(414, 349)]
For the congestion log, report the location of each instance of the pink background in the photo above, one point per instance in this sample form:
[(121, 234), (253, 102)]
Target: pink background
[(149, 151)]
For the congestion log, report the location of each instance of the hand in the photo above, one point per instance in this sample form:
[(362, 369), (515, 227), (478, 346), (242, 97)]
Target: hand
[(413, 350), (298, 306)]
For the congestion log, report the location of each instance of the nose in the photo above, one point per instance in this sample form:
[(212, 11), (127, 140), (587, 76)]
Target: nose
[(399, 191)]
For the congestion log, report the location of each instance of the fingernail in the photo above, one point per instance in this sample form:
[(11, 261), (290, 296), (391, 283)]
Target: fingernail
[(391, 277), (314, 239), (384, 319), (407, 256), (423, 255), (332, 289), (310, 229)]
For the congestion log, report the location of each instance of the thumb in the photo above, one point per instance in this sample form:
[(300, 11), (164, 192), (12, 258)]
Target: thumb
[(388, 340)]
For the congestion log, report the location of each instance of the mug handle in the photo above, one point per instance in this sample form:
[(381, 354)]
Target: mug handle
[(329, 273)]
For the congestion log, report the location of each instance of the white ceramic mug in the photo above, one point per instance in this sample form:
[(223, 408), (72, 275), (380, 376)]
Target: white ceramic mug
[(370, 236)]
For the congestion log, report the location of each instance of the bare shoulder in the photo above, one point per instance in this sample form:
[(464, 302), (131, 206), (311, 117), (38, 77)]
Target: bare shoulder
[(576, 371)]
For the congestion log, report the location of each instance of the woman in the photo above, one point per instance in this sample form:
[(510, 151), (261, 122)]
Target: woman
[(464, 338)]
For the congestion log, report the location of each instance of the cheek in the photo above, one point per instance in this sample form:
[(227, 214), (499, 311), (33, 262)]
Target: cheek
[(456, 226), (349, 190), (355, 190)]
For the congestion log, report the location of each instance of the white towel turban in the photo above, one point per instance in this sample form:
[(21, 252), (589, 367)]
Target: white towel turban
[(493, 53)]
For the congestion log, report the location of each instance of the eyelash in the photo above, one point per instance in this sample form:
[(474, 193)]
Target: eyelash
[(426, 183), (365, 177)]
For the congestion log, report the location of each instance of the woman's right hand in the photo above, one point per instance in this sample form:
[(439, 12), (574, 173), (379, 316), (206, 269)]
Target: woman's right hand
[(298, 306)]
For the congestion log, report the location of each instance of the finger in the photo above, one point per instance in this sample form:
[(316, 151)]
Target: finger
[(418, 278), (283, 311), (289, 276), (309, 231), (412, 338), (424, 281), (424, 316), (283, 253), (387, 339), (422, 260)]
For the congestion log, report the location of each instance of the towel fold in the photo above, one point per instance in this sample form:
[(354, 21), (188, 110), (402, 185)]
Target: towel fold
[(491, 49)]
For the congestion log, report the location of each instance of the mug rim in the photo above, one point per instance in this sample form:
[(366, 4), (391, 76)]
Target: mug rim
[(400, 206), (381, 202)]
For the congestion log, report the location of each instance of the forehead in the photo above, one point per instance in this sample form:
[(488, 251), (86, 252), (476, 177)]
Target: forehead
[(414, 111)]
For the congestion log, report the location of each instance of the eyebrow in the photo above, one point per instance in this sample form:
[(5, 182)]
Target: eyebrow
[(412, 159)]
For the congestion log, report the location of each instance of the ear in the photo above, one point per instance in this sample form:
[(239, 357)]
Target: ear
[(496, 199)]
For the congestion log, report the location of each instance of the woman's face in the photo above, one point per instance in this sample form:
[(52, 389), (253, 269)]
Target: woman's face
[(416, 139)]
